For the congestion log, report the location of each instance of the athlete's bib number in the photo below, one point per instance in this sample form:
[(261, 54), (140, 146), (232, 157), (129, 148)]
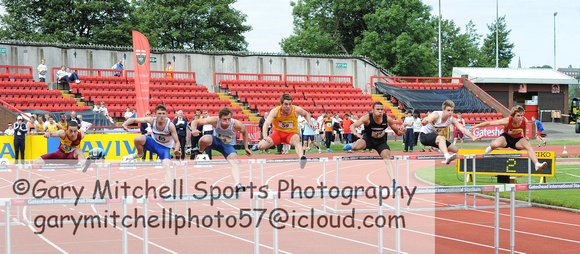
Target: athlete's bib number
[(286, 125), (377, 134), (515, 131), (225, 139), (67, 149), (163, 139), (329, 124)]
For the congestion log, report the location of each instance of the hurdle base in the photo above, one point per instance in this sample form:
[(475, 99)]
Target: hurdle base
[(542, 179), (506, 179)]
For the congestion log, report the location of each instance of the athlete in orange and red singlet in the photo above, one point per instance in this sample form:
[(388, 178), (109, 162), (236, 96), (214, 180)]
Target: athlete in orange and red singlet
[(285, 121), (69, 148), (514, 135)]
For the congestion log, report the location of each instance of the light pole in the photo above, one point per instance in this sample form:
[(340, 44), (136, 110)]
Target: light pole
[(555, 13), (496, 33), (439, 40)]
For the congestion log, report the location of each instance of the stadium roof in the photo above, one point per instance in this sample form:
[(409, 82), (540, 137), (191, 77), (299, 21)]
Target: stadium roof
[(513, 75)]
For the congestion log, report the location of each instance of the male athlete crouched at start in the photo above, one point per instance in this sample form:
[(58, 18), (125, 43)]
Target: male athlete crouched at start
[(224, 139)]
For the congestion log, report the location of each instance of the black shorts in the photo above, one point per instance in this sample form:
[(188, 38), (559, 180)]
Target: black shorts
[(511, 141), (378, 144), (429, 139)]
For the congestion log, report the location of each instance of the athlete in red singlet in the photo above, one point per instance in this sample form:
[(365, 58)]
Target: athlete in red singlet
[(514, 135)]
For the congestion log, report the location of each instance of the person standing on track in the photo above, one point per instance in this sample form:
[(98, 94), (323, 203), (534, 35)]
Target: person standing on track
[(435, 123), (375, 126), (514, 135), (163, 138), (539, 128), (284, 119)]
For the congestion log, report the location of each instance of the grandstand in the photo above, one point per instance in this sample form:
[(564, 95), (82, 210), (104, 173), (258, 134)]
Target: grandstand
[(249, 95)]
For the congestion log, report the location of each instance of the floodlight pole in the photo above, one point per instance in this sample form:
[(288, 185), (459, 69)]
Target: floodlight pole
[(439, 42), (555, 13)]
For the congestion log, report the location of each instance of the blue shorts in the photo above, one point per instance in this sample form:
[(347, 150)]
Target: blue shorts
[(161, 151), (225, 149), (308, 137)]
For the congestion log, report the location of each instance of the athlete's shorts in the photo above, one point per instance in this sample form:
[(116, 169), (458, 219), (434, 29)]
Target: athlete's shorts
[(538, 133), (282, 137), (457, 133), (430, 138), (511, 141), (378, 144), (308, 137), (225, 149), (162, 152), (59, 155)]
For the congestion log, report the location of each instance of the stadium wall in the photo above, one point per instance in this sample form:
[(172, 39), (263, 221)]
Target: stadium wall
[(203, 63)]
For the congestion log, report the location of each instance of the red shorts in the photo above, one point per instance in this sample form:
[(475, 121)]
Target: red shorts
[(538, 133), (282, 137), (58, 155)]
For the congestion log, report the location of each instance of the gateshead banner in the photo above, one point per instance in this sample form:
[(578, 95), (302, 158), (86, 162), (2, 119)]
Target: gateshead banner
[(142, 72), (496, 131)]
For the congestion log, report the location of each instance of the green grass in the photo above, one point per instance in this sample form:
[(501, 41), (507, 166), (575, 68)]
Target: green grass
[(447, 176)]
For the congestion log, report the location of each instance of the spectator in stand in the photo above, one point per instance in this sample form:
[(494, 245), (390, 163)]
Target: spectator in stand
[(169, 69), (207, 129), (39, 125), (134, 111), (308, 135), (51, 125), (85, 126), (128, 113), (42, 71), (194, 139), (118, 66), (9, 131), (31, 125), (74, 118), (409, 136), (97, 108), (457, 133), (180, 123), (328, 128), (417, 130), (345, 125), (261, 126), (20, 131), (336, 127), (105, 112), (66, 75), (63, 122), (146, 130)]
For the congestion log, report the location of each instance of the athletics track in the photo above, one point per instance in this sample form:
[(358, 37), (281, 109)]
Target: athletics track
[(538, 230)]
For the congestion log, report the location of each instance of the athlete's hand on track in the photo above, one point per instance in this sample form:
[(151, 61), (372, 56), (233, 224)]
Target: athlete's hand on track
[(357, 135), (177, 152), (248, 151)]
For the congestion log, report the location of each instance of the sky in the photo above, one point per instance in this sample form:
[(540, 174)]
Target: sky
[(531, 23)]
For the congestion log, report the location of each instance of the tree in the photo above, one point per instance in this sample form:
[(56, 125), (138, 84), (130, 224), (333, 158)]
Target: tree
[(398, 37), (489, 45), (545, 66), (68, 21), (327, 27), (457, 49), (192, 24)]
